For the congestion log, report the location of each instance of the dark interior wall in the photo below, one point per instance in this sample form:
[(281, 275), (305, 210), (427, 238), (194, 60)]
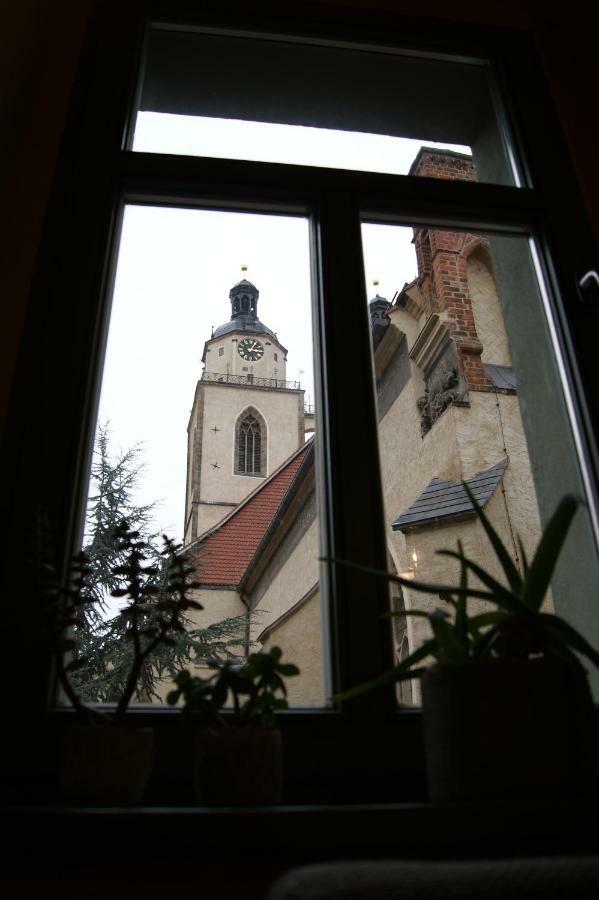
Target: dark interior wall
[(40, 46), (40, 42)]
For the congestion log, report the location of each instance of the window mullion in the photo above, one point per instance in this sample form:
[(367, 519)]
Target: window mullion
[(352, 507), (152, 177)]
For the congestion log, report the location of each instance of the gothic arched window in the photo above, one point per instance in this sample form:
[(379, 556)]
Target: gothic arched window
[(250, 444)]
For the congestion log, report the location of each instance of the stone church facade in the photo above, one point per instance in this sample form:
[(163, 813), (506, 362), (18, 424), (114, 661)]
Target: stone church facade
[(448, 412)]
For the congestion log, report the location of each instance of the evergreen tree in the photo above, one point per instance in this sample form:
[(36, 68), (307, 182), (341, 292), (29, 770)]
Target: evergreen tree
[(101, 639), (113, 482)]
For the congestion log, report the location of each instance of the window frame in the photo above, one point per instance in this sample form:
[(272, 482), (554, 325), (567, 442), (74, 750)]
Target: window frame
[(93, 182)]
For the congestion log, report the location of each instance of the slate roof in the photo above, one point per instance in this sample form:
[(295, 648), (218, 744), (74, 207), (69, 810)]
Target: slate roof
[(244, 323), (444, 500), (503, 377), (224, 553)]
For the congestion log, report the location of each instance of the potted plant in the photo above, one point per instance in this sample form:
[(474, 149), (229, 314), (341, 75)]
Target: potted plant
[(104, 761), (507, 710), (238, 759)]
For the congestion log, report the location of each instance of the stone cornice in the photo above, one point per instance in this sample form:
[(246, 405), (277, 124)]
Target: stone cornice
[(430, 343)]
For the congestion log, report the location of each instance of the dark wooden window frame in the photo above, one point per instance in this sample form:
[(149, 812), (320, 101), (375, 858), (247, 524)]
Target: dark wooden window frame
[(67, 324)]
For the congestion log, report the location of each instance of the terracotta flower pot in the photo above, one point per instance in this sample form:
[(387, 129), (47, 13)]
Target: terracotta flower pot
[(508, 729), (238, 766), (105, 765)]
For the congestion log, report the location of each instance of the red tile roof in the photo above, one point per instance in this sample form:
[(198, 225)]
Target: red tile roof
[(224, 554)]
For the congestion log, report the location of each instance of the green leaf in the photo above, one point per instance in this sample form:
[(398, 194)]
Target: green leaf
[(461, 612), (450, 648), (498, 593), (490, 618), (523, 556), (569, 636), (511, 572), (393, 676), (288, 670), (484, 644), (447, 598), (425, 587), (543, 563), (173, 697), (397, 673), (219, 694), (418, 613)]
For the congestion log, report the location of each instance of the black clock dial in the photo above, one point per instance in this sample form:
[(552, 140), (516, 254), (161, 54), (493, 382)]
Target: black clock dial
[(250, 349)]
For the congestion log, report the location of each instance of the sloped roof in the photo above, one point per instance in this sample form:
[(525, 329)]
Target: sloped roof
[(443, 500), (503, 377), (224, 553), (244, 323)]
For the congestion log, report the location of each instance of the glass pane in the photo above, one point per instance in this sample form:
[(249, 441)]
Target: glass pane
[(206, 433), (468, 390), (281, 101)]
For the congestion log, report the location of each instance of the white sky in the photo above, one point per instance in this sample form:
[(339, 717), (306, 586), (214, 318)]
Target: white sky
[(175, 270)]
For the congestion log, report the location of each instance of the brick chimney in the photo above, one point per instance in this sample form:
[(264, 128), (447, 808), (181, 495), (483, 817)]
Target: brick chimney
[(442, 266)]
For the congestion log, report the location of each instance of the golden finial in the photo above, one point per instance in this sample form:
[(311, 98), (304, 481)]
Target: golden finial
[(375, 282), (244, 268)]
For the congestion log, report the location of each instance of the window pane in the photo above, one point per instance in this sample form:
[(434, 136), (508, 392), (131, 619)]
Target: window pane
[(281, 101), (468, 390), (206, 433)]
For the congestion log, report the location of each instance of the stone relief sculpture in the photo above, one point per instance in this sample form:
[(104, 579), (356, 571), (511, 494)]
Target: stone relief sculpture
[(442, 390)]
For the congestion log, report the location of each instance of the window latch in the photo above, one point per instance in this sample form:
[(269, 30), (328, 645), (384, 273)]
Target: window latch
[(588, 287)]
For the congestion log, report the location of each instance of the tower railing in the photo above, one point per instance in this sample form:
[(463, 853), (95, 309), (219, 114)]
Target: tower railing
[(251, 381)]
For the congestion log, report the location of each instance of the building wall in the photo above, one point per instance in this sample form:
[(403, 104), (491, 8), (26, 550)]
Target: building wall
[(490, 429), (487, 312), (220, 406), (218, 604), (230, 362), (440, 569), (286, 605), (481, 427), (290, 576), (299, 636)]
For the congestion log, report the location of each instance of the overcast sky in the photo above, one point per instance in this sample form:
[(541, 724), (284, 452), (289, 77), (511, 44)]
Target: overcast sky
[(175, 270)]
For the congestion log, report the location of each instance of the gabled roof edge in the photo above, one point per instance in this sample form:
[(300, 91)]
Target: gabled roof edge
[(246, 500)]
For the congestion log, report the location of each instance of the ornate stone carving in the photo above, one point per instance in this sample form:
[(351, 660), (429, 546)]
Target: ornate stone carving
[(432, 405), (436, 354)]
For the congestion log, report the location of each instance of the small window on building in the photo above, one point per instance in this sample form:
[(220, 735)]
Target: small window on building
[(276, 358), (221, 351)]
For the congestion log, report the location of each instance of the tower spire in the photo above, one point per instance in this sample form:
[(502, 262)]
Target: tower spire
[(244, 300)]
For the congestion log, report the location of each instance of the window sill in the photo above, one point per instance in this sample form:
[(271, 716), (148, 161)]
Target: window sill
[(404, 830)]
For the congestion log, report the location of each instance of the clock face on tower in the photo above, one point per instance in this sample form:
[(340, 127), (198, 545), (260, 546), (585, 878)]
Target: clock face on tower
[(250, 349)]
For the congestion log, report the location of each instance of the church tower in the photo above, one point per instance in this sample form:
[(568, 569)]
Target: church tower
[(246, 419)]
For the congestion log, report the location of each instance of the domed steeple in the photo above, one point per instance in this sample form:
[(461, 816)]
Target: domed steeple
[(244, 311), (378, 307), (244, 300), (379, 317)]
